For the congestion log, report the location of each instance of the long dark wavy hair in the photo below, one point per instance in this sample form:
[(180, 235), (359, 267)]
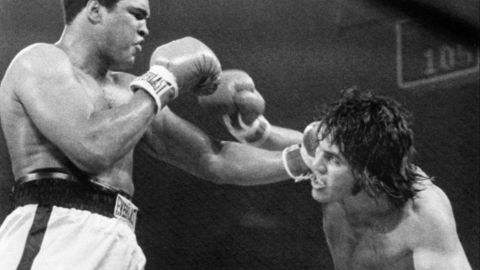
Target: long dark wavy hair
[(373, 134)]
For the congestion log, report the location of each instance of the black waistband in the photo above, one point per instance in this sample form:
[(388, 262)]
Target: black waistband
[(80, 195), (55, 173)]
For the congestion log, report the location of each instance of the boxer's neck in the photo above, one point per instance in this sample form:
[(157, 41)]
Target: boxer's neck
[(82, 51)]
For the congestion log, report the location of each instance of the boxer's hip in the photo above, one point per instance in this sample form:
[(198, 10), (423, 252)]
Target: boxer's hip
[(65, 190)]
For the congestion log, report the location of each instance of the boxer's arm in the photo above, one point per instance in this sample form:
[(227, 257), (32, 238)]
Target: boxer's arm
[(47, 87), (439, 247), (280, 137), (182, 144), (443, 253), (260, 133)]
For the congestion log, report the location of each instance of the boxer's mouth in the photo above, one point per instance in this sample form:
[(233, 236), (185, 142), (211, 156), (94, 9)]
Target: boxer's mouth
[(138, 48), (317, 183)]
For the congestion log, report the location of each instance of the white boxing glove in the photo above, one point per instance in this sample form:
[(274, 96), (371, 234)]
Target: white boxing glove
[(298, 158), (183, 65)]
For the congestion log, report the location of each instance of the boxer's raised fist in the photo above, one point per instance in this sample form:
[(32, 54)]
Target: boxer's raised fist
[(177, 67)]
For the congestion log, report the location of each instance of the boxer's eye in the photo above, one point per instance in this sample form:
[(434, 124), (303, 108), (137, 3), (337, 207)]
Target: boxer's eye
[(139, 14), (332, 158)]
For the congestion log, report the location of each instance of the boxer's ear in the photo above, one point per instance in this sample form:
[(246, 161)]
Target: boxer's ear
[(93, 10)]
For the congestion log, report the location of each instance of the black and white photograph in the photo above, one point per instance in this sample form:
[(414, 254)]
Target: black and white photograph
[(239, 135)]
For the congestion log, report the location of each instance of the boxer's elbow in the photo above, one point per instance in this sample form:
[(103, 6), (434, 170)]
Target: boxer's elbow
[(92, 160), (97, 152), (92, 164)]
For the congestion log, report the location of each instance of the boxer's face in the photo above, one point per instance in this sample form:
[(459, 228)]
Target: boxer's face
[(125, 31), (333, 179)]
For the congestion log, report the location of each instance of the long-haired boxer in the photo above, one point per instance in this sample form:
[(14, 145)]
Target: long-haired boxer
[(380, 210), (72, 118)]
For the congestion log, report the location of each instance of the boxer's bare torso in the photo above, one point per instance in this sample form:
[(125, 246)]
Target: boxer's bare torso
[(29, 148), (65, 110), (378, 245), (401, 239)]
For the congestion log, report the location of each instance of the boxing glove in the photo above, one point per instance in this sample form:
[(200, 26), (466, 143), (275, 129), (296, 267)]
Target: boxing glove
[(177, 67), (297, 159), (241, 107)]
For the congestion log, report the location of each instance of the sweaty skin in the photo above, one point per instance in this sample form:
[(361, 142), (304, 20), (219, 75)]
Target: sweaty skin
[(419, 236), (51, 115)]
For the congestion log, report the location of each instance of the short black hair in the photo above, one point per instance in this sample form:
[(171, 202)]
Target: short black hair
[(374, 135), (71, 8)]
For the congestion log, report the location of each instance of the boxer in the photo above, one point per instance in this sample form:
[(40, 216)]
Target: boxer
[(380, 211), (72, 118)]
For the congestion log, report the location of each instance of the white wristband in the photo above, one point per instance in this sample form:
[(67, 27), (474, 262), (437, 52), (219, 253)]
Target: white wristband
[(254, 134), (157, 81)]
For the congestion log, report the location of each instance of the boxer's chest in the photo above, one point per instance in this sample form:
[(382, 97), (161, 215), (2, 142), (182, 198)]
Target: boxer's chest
[(105, 95), (370, 249)]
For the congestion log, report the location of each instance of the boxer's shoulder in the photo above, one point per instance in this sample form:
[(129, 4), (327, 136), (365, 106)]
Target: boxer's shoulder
[(41, 55), (430, 195), (38, 61), (432, 208)]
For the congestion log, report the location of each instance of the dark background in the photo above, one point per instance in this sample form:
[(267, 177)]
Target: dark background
[(300, 54)]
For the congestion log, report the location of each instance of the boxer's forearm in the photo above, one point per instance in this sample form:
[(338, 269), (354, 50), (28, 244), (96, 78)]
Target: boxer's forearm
[(280, 137), (240, 164), (113, 133), (180, 143)]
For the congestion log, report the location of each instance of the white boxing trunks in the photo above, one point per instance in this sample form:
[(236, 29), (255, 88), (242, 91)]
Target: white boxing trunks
[(42, 235)]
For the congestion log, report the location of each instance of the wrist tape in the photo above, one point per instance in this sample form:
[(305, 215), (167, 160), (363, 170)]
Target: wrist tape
[(157, 81)]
